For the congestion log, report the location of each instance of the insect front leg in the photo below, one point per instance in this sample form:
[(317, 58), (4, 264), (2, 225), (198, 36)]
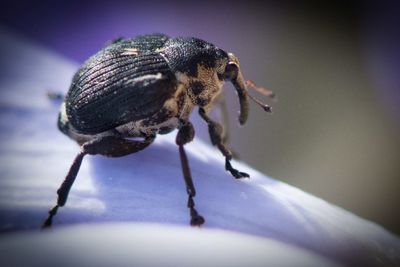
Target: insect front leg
[(184, 136), (216, 130), (111, 146), (224, 117), (221, 103)]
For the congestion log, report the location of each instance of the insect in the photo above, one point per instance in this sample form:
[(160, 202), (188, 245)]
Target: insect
[(142, 87)]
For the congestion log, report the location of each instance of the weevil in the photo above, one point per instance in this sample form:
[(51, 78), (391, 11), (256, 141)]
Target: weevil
[(144, 86)]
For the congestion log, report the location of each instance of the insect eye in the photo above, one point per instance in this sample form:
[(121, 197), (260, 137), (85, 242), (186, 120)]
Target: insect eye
[(231, 71)]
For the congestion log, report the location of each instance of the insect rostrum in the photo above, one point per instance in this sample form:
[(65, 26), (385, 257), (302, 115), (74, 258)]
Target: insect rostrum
[(142, 87)]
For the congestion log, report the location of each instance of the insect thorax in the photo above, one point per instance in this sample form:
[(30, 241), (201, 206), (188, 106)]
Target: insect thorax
[(203, 88)]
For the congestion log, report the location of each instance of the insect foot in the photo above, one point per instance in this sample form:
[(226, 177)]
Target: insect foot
[(195, 218), (235, 173)]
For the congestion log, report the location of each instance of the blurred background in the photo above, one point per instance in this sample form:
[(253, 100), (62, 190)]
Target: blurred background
[(334, 65)]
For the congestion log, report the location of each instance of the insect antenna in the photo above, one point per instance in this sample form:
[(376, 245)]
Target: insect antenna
[(262, 91)]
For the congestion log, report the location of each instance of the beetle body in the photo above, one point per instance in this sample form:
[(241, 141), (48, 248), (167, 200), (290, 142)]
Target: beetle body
[(142, 87)]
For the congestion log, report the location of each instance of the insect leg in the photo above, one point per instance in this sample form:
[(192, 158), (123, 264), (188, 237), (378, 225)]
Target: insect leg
[(185, 135), (215, 131), (221, 102), (111, 146), (115, 146), (63, 191), (53, 95)]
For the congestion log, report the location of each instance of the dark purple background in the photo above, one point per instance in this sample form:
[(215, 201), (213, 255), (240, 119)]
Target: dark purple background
[(78, 28)]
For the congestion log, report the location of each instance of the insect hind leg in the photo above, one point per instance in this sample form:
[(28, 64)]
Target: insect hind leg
[(63, 191), (111, 146)]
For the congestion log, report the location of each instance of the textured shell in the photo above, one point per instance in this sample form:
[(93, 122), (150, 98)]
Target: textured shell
[(118, 85), (184, 53)]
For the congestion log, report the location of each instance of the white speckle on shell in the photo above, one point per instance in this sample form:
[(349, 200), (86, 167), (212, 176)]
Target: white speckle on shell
[(130, 52), (63, 114)]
